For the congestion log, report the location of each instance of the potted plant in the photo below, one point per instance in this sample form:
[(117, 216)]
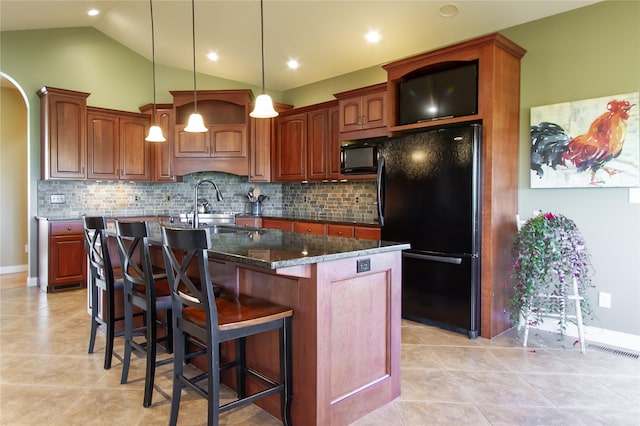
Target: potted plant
[(549, 253)]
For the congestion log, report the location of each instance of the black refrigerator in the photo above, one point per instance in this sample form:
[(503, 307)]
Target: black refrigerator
[(429, 196)]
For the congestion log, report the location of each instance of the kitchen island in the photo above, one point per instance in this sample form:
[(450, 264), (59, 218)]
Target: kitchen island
[(345, 294)]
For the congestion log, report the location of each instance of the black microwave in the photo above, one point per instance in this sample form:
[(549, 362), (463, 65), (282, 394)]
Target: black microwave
[(359, 158)]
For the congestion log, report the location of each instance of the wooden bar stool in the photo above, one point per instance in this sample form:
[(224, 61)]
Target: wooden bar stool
[(101, 277), (140, 291), (207, 321)]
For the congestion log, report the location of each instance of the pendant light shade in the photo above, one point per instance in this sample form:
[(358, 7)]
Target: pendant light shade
[(155, 132), (195, 123), (264, 105)]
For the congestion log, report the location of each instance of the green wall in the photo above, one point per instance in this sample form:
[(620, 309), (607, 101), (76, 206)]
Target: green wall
[(590, 52)]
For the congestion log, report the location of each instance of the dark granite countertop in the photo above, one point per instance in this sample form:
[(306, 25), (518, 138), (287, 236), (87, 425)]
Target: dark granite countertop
[(274, 249), (339, 219)]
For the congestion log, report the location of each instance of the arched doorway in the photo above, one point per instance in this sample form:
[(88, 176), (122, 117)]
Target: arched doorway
[(14, 180)]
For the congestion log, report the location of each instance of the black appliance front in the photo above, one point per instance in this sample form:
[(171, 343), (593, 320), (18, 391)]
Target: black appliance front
[(428, 192), (441, 290)]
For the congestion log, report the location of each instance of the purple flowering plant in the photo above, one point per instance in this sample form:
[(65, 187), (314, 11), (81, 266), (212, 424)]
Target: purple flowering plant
[(548, 252)]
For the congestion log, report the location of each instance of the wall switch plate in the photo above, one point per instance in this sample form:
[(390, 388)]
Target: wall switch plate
[(58, 199), (604, 300), (363, 265)]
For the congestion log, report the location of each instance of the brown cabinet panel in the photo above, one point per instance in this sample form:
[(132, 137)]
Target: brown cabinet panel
[(161, 152), (103, 148), (195, 145), (62, 262), (228, 141), (366, 233), (364, 109), (340, 230), (309, 228), (317, 143), (333, 150), (282, 224), (135, 161), (116, 146), (291, 148), (63, 135)]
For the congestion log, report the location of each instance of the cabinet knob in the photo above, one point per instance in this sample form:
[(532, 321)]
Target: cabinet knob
[(69, 228), (339, 232)]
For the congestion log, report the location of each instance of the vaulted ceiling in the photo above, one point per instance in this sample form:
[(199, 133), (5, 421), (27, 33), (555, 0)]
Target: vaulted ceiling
[(325, 36)]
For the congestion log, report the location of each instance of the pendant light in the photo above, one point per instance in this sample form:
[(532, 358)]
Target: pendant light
[(155, 132), (195, 123), (264, 105)]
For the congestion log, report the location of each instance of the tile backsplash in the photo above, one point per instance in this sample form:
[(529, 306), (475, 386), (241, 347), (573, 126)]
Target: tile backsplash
[(355, 199)]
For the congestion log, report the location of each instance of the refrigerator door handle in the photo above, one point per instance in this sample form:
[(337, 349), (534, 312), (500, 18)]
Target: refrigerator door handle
[(380, 190), (443, 259)]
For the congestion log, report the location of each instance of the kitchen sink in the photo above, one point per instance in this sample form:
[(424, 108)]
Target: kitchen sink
[(212, 218)]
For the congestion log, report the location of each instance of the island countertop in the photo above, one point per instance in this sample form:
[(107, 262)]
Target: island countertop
[(275, 249)]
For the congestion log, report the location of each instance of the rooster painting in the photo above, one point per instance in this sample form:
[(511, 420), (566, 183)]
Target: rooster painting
[(557, 151)]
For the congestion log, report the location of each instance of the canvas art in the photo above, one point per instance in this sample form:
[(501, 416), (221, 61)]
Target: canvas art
[(588, 143)]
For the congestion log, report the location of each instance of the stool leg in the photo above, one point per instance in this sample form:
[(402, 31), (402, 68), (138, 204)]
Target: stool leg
[(286, 371), (241, 357), (128, 336), (150, 374), (109, 324), (178, 366), (94, 316)]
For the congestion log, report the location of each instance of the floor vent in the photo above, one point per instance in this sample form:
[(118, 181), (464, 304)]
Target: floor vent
[(613, 351)]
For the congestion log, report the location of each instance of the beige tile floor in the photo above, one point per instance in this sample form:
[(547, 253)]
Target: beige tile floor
[(46, 377)]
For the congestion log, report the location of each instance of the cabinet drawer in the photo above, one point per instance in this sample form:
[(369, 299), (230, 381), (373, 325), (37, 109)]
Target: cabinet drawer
[(340, 230), (366, 233), (66, 228), (255, 222), (283, 225), (309, 228)]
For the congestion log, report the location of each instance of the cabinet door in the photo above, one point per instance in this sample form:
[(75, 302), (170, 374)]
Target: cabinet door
[(253, 222), (228, 141), (333, 149), (291, 152), (161, 169), (63, 133), (260, 149), (374, 110), (190, 145), (317, 143), (102, 146), (135, 163), (350, 114)]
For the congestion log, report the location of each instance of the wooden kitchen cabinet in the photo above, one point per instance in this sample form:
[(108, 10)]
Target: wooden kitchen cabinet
[(340, 230), (261, 141), (310, 228), (115, 145), (306, 148), (63, 136), (62, 262), (224, 147), (161, 164), (367, 232), (363, 110), (252, 222), (281, 224)]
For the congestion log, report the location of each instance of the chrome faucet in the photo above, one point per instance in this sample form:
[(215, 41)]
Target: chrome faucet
[(196, 221)]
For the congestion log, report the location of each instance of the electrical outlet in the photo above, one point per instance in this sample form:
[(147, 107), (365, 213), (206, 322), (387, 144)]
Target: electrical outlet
[(363, 265), (604, 300), (136, 198), (58, 199), (357, 200)]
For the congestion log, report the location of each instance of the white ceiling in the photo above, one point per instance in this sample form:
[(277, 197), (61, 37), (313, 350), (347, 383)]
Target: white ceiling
[(325, 36)]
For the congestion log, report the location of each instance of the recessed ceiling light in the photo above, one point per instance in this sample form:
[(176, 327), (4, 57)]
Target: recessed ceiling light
[(448, 10), (293, 64), (373, 36), (93, 12), (213, 56)]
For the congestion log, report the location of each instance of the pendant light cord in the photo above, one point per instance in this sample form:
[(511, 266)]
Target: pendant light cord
[(193, 35), (262, 42), (153, 61)]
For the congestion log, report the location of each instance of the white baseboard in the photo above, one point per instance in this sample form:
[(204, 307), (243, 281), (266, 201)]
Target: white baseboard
[(13, 269), (32, 281), (597, 335)]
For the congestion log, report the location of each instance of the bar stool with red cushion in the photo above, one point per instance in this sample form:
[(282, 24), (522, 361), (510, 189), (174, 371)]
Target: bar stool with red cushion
[(207, 321)]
